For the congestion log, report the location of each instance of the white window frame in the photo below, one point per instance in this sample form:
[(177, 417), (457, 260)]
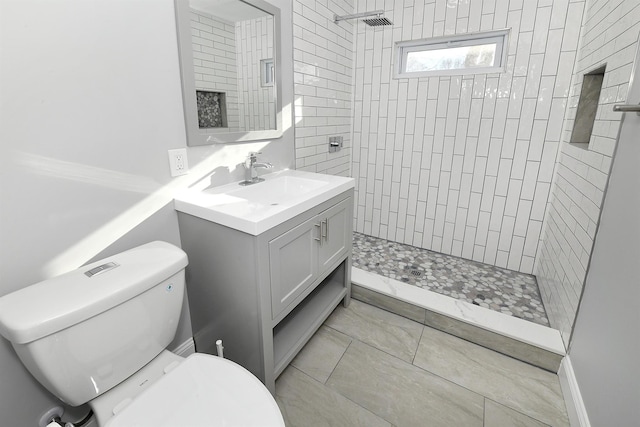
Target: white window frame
[(267, 71), (500, 38)]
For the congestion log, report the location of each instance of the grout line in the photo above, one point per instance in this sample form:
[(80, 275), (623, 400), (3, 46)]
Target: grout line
[(418, 346), (513, 409), (336, 392), (340, 394), (484, 411)]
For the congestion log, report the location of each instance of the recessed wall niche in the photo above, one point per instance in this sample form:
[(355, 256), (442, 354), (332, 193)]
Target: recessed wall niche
[(587, 107), (212, 109)]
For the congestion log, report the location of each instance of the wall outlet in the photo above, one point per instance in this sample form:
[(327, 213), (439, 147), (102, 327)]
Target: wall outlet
[(178, 162)]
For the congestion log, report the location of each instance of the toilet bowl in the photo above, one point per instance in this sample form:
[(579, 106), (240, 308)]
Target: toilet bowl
[(98, 335), (202, 390)]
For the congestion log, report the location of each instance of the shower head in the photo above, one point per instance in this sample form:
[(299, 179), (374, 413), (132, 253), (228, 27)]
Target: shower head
[(377, 19), (377, 22)]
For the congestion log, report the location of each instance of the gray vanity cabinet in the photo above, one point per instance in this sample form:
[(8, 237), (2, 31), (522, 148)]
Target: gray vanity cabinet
[(299, 256), (265, 295), (293, 264), (337, 234)]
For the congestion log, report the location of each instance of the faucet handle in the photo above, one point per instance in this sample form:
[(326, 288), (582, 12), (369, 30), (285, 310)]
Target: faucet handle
[(252, 157)]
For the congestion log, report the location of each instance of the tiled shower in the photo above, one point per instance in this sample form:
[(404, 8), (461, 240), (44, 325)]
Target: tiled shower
[(462, 165), (235, 72), (475, 166)]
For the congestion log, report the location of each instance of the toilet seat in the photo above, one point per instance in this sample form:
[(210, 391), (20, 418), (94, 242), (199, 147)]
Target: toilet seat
[(202, 391)]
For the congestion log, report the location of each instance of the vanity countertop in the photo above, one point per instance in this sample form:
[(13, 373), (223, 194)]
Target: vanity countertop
[(256, 208)]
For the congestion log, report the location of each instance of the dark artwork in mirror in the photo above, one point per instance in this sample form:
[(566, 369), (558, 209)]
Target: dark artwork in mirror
[(212, 111)]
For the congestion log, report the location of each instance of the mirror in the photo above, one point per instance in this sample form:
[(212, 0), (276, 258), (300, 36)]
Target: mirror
[(229, 59)]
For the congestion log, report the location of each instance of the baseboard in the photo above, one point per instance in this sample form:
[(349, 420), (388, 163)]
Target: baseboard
[(572, 397), (185, 349)]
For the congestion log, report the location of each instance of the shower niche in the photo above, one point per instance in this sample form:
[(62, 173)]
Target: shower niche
[(587, 107), (212, 109)]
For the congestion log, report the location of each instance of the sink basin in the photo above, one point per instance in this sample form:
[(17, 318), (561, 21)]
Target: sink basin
[(258, 207), (280, 189)]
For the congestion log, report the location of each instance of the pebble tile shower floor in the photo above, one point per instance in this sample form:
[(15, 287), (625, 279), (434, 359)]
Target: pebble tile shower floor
[(509, 292)]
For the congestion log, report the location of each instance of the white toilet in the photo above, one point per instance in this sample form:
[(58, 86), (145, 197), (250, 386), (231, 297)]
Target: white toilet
[(99, 335)]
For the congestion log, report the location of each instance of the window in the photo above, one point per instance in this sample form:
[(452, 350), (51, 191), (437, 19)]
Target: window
[(266, 72), (464, 54)]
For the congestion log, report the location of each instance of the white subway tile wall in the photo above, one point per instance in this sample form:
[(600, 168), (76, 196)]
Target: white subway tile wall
[(465, 164), (226, 58), (462, 164), (323, 71), (254, 38), (609, 36), (214, 60)]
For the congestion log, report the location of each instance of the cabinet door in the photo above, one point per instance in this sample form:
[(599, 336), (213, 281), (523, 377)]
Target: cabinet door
[(336, 233), (293, 263)]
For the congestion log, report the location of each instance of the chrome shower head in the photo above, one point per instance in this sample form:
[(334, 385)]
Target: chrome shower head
[(377, 19), (377, 22)]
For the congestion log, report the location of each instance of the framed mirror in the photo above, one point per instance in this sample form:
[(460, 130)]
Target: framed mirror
[(229, 61)]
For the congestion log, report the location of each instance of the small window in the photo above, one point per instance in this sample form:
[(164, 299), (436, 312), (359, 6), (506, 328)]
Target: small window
[(464, 54), (266, 72)]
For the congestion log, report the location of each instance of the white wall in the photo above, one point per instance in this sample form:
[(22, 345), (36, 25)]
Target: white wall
[(323, 54), (462, 164), (605, 347), (609, 36), (90, 103)]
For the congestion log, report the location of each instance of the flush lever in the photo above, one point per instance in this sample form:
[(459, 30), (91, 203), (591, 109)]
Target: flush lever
[(101, 269)]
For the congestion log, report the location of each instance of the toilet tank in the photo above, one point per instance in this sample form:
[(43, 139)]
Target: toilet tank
[(82, 333)]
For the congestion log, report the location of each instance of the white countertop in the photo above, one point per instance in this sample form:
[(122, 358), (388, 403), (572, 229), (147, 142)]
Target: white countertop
[(256, 208)]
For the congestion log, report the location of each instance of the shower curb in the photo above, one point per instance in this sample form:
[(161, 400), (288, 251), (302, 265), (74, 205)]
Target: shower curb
[(526, 341)]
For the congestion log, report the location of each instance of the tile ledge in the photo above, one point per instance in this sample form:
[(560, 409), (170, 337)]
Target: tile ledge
[(543, 337)]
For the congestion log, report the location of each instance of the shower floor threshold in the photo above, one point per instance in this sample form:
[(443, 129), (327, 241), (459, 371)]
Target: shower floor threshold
[(527, 341)]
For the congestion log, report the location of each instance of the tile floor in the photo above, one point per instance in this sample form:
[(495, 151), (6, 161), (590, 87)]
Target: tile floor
[(369, 367), (499, 289)]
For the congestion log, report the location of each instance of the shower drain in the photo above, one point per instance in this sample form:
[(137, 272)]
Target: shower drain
[(412, 272)]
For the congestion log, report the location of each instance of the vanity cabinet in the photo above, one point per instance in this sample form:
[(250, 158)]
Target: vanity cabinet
[(298, 257), (265, 295)]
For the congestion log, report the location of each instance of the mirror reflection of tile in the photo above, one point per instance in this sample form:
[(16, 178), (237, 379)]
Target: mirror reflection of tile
[(211, 109)]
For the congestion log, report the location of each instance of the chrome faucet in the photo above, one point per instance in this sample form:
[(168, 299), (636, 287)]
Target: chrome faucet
[(250, 165)]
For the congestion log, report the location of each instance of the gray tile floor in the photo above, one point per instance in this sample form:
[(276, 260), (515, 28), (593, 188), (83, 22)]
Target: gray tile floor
[(498, 289), (368, 367)]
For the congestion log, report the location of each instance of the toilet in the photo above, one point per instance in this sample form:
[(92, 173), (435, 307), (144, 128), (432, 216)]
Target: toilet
[(98, 335)]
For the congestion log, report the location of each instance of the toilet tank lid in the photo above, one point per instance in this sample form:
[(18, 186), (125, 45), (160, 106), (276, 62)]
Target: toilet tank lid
[(63, 301)]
